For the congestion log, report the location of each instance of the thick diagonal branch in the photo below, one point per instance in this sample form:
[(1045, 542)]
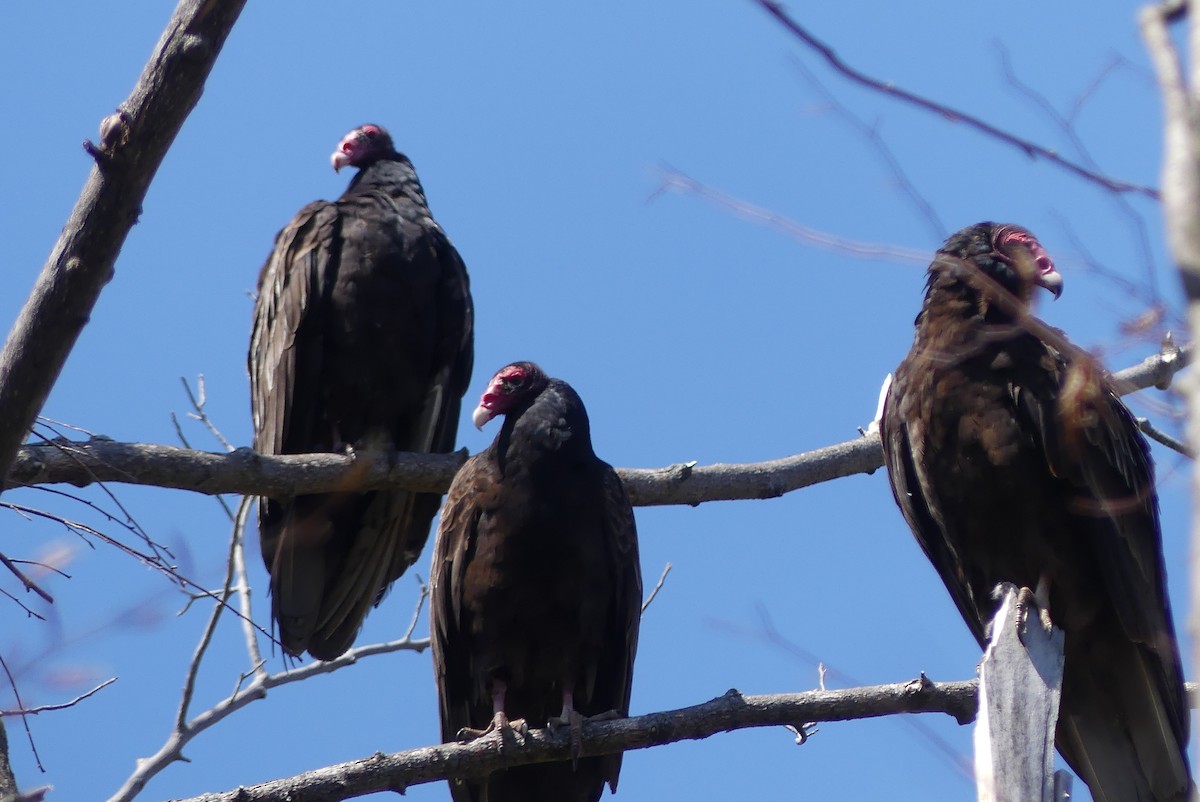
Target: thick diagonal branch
[(133, 144)]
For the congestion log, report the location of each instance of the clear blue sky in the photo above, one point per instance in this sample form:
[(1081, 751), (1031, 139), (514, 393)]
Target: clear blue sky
[(540, 131)]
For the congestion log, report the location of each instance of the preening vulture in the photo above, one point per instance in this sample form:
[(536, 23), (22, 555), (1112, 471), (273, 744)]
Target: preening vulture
[(1013, 460), (535, 589), (362, 340)]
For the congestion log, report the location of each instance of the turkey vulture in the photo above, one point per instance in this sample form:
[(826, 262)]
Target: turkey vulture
[(362, 340), (1013, 460), (535, 589)]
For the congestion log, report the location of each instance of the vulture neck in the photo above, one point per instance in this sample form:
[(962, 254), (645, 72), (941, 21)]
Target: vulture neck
[(552, 430), (955, 297), (394, 176)]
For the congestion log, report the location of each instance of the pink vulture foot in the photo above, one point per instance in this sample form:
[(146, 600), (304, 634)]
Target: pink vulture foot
[(516, 729), (573, 719)]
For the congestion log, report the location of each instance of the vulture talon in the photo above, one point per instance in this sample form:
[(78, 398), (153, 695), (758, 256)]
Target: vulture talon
[(516, 729), (573, 721), (1041, 596), (1025, 600)]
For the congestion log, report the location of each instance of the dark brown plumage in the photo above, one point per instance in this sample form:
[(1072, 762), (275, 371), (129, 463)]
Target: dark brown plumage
[(535, 593), (362, 340), (1013, 460)]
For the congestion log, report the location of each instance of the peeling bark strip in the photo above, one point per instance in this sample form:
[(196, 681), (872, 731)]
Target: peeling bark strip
[(248, 473), (133, 143)]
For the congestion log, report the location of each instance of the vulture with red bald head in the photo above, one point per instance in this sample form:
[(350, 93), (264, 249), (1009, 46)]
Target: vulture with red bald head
[(1013, 460), (535, 589), (362, 341)]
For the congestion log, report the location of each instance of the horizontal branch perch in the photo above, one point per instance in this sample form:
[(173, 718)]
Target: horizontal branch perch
[(733, 711), (398, 771), (245, 472)]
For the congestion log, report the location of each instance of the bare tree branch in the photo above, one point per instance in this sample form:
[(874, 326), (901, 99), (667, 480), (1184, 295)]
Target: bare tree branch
[(189, 683), (1156, 370), (732, 711), (657, 587), (681, 182), (1027, 147), (8, 782), (242, 588), (172, 750), (133, 144), (33, 711), (1154, 433), (29, 584), (199, 400), (246, 472), (1066, 125), (260, 681), (873, 136), (12, 682)]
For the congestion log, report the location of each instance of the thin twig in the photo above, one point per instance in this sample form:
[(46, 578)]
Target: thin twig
[(657, 587), (33, 711), (1088, 91), (44, 566), (769, 632), (50, 423), (12, 682), (1158, 435), (242, 588), (130, 523), (29, 611), (873, 136), (198, 402), (172, 750), (416, 616), (25, 580), (202, 416), (1027, 147), (261, 681), (1067, 127), (189, 683), (674, 180), (83, 531), (1093, 265)]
